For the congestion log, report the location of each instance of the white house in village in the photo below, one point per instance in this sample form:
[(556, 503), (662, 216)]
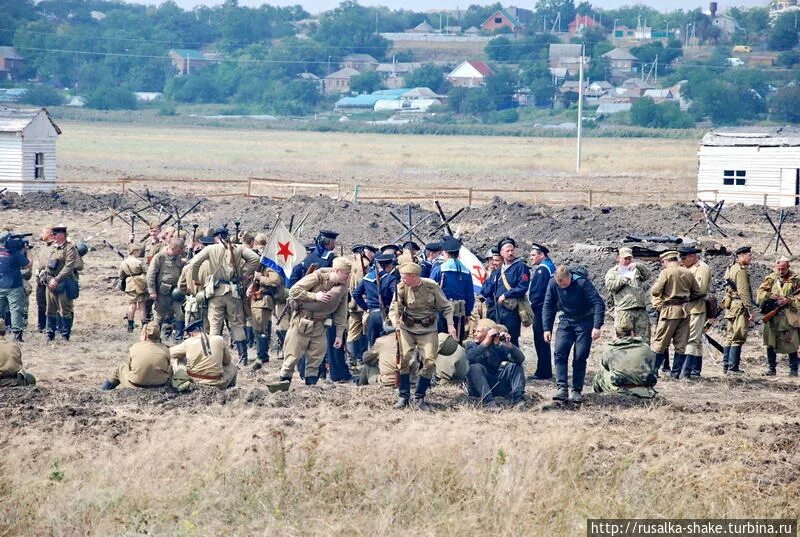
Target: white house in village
[(27, 150), (753, 165)]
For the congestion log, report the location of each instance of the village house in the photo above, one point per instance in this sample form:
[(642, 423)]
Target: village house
[(188, 60), (566, 57), (506, 18), (470, 74), (581, 23), (421, 28), (621, 62), (338, 82), (359, 62), (10, 63), (393, 73), (751, 165), (27, 150)]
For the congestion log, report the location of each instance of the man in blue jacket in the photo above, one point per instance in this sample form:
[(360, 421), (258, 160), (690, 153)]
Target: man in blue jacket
[(508, 285), (367, 298), (12, 261), (542, 268), (582, 315), (455, 279), (495, 366)]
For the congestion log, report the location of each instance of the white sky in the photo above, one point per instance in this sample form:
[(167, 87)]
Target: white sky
[(315, 6)]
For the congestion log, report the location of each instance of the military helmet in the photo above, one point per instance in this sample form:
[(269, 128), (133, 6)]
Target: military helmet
[(82, 247), (178, 295)]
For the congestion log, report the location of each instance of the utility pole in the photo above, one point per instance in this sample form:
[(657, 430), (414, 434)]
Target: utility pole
[(580, 110)]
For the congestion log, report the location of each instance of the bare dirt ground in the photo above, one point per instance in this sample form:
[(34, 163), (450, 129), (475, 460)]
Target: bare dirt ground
[(337, 460)]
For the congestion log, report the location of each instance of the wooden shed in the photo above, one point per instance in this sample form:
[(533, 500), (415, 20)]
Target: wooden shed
[(751, 165), (27, 150)]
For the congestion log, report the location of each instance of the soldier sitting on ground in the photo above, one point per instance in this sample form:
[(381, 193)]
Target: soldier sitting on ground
[(495, 366), (627, 368), (202, 359), (11, 372), (148, 364)]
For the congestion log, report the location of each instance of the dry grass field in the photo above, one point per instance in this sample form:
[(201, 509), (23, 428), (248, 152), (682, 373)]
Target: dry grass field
[(636, 165), (336, 459)]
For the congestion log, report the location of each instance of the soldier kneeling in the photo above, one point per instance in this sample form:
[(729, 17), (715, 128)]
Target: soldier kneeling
[(148, 365), (628, 368), (206, 359), (11, 372)]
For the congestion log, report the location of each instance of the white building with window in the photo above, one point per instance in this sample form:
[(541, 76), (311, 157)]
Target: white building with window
[(752, 165), (27, 150)]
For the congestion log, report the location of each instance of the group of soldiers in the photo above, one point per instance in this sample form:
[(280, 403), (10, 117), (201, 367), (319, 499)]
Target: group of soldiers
[(394, 309)]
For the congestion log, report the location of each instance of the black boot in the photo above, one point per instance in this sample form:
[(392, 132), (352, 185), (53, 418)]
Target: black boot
[(677, 365), (660, 357), (180, 328), (697, 369), (131, 325), (403, 392), (66, 327), (665, 367), (726, 355), (52, 326), (311, 381), (18, 336), (249, 336), (109, 384), (734, 357), (262, 343), (772, 362), (419, 395), (688, 366), (41, 321), (794, 362), (241, 348)]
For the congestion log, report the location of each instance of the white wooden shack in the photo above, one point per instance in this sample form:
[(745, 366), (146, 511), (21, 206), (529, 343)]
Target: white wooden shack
[(27, 150), (750, 165)]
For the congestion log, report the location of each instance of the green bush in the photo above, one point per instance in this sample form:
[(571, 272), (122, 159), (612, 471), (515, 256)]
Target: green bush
[(107, 98), (43, 96)]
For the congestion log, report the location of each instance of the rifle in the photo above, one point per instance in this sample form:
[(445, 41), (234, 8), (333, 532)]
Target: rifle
[(398, 359), (114, 249), (236, 227), (194, 238), (772, 313), (252, 289), (311, 270), (711, 341)]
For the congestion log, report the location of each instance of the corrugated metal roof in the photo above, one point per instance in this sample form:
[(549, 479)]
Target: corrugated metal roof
[(754, 137), (16, 119), (365, 101)]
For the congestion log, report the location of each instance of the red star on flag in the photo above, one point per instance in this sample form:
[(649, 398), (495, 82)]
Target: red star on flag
[(284, 250)]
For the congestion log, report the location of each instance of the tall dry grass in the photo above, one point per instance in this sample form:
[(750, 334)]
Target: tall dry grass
[(351, 470)]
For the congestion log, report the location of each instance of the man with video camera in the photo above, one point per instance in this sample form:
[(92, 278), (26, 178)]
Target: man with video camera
[(495, 366), (12, 261)]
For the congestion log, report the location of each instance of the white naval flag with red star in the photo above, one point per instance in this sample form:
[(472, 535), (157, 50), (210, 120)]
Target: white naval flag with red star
[(283, 251)]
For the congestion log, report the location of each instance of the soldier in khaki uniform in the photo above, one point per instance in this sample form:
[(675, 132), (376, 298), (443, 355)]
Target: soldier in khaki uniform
[(59, 275), (153, 244), (356, 340), (314, 299), (696, 310), (133, 282), (625, 282), (738, 305), (674, 288), (11, 372), (195, 306), (148, 364), (781, 291), (414, 311), (202, 359), (163, 275), (228, 265), (266, 285)]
